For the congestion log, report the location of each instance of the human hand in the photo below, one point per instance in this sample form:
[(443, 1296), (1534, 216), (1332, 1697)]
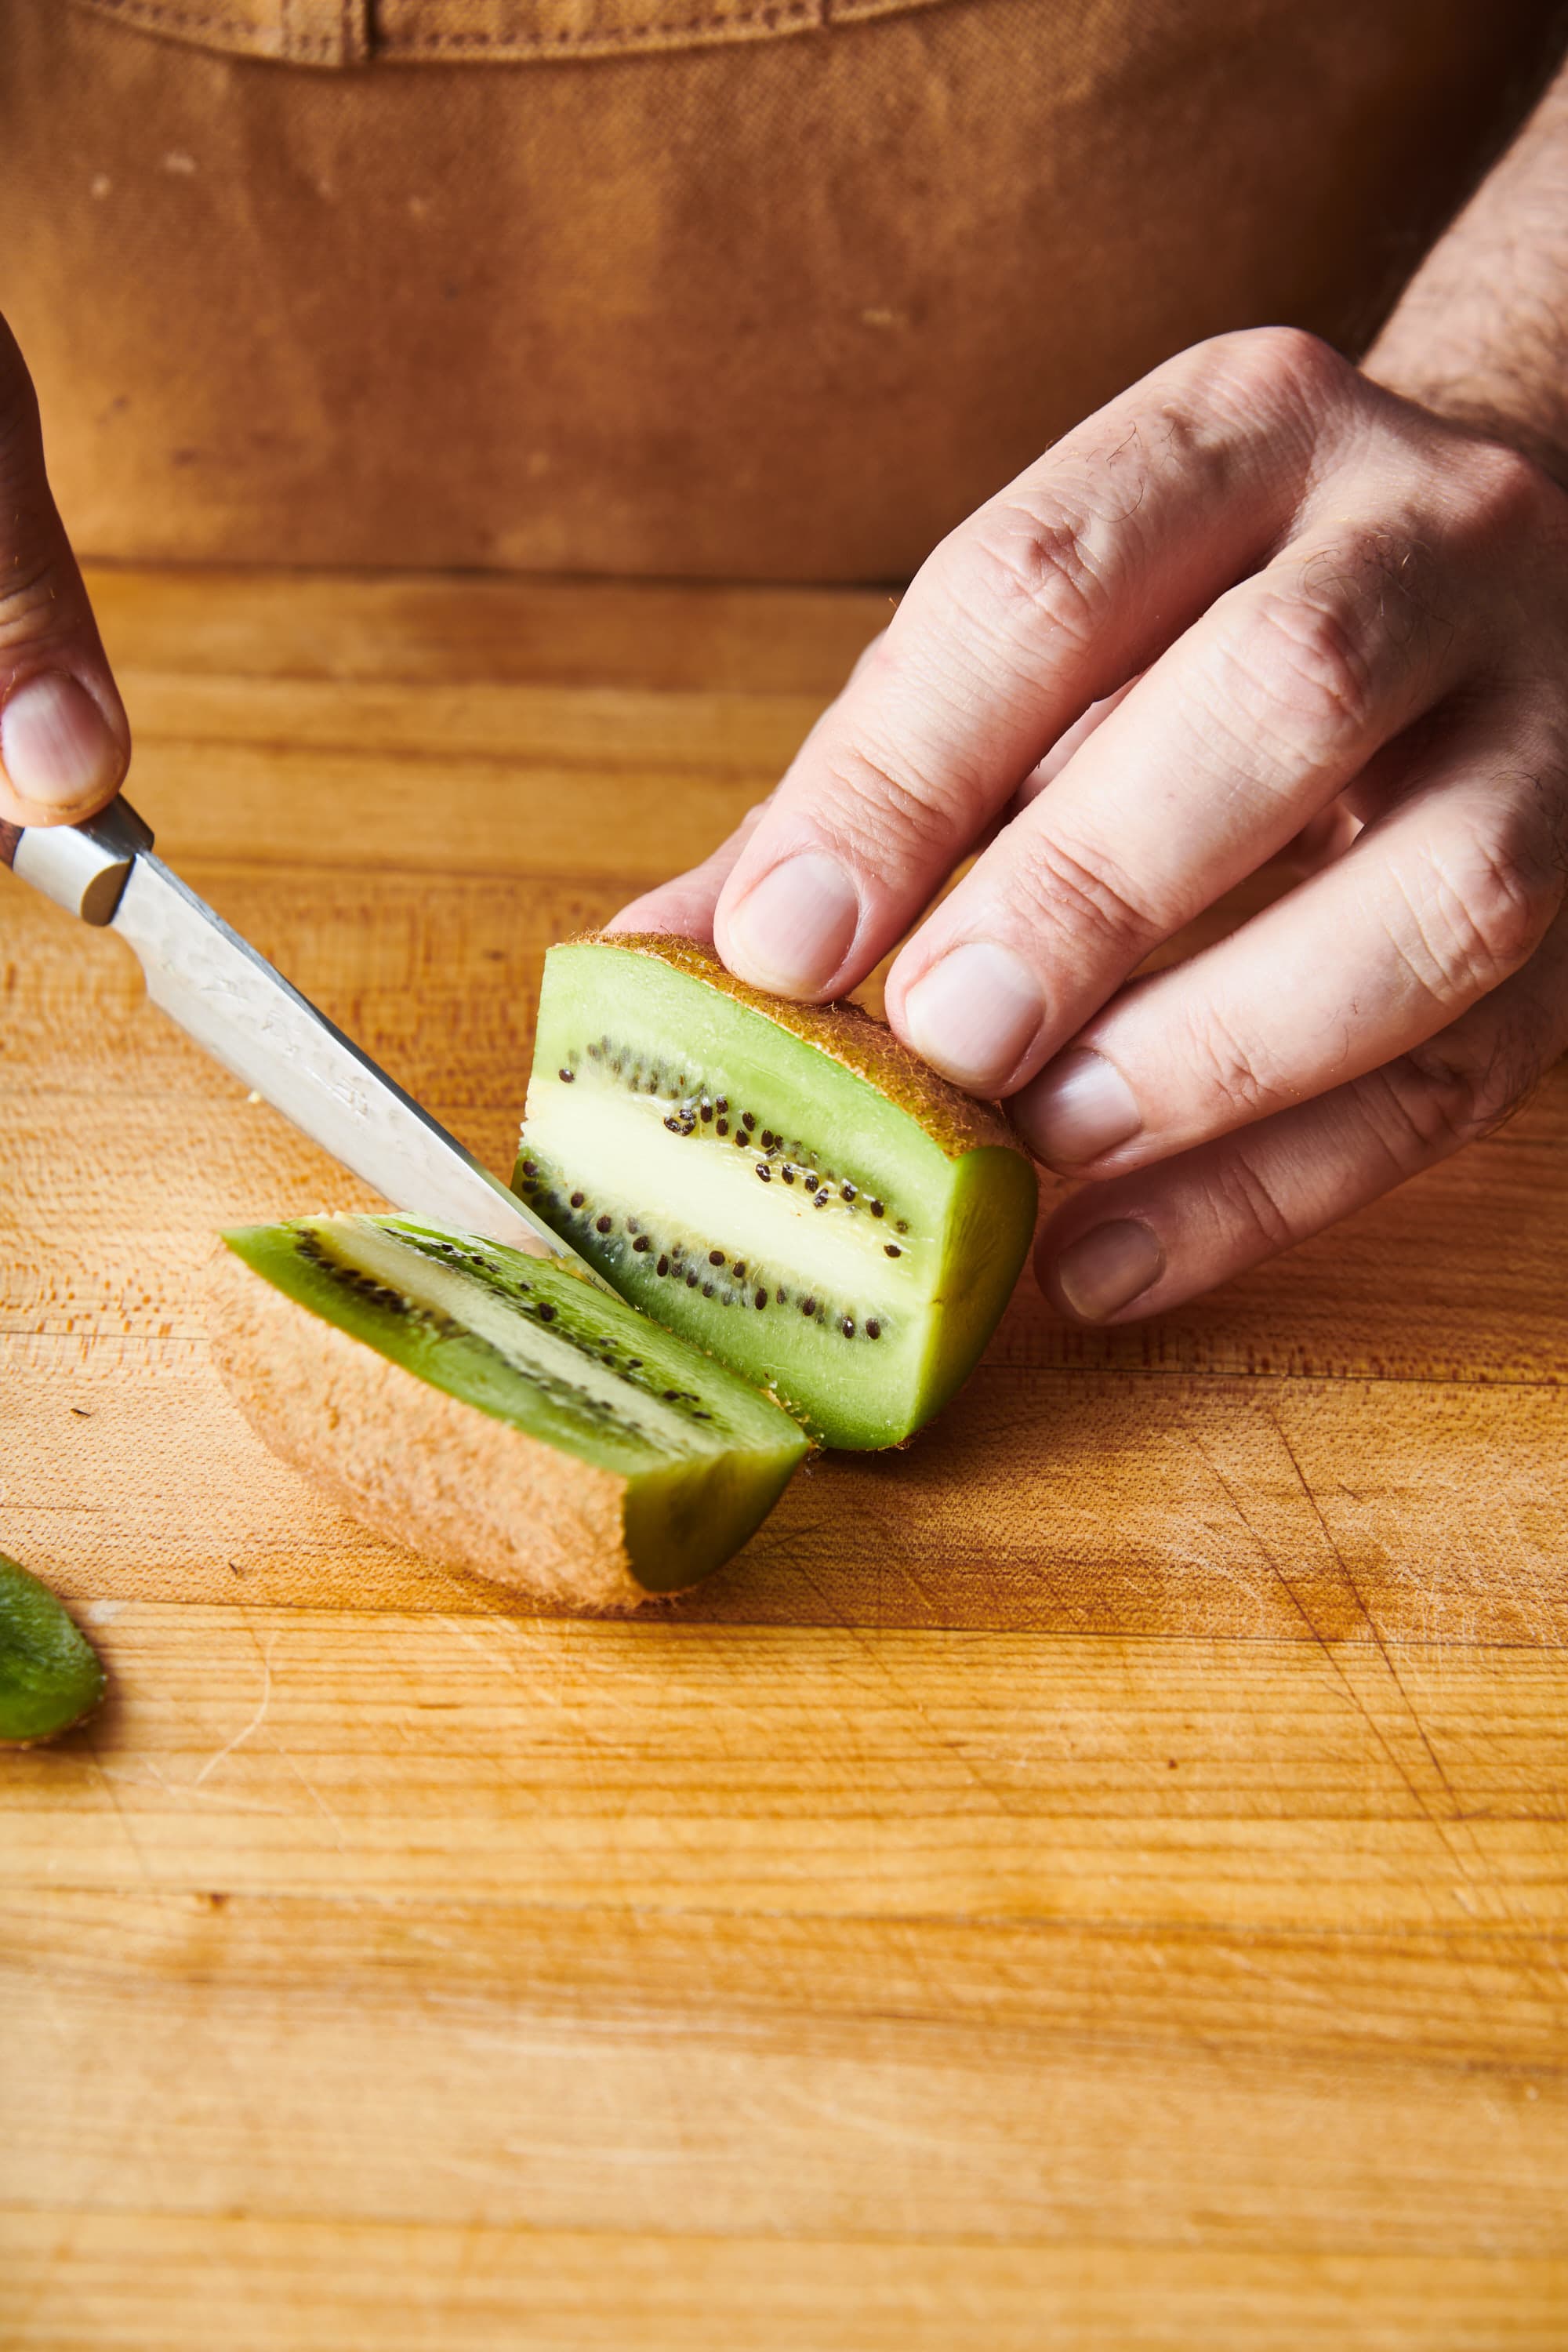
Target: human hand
[(1337, 612), (64, 740)]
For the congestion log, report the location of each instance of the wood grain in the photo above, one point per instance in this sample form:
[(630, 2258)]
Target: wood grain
[(1097, 1877)]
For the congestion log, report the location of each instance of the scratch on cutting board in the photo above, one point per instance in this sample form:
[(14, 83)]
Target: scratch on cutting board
[(1442, 1827), (257, 1720)]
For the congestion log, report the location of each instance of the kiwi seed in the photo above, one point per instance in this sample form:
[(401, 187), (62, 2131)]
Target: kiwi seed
[(761, 1299), (642, 1242), (809, 1306), (663, 1266), (873, 1330), (878, 1210), (566, 1077), (891, 1249), (747, 1121), (600, 1224), (721, 1127), (849, 1326), (576, 1199), (715, 1258)]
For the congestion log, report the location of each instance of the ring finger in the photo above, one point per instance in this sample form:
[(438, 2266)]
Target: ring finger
[(1142, 1243), (1437, 904), (1254, 721)]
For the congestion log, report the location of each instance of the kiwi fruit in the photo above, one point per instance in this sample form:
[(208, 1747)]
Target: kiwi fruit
[(50, 1676), (786, 1185), (493, 1411)]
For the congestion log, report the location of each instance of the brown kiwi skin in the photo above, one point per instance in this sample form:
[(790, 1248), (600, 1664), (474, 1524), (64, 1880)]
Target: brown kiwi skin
[(847, 1032), (459, 1488)]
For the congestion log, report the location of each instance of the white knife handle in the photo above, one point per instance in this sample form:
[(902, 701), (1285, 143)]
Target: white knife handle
[(82, 867)]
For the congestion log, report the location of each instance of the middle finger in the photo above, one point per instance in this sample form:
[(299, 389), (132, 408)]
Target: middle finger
[(1254, 721)]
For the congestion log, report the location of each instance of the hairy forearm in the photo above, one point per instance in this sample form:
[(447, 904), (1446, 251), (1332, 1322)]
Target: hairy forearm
[(1480, 334)]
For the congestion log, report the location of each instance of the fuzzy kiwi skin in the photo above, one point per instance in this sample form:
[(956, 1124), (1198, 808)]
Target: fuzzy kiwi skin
[(444, 1478), (51, 1677), (983, 1207)]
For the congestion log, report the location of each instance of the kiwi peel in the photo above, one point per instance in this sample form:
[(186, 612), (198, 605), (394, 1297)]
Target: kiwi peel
[(50, 1675), (784, 1185), (493, 1411)]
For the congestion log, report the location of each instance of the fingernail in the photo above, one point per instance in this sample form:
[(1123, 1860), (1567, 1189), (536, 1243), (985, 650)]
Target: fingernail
[(56, 745), (1108, 1268), (793, 929), (974, 1014), (1077, 1109)]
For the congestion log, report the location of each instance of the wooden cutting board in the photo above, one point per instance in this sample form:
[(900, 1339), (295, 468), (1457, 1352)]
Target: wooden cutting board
[(1096, 1879)]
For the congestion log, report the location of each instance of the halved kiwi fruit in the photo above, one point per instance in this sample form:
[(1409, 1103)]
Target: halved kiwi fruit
[(786, 1185), (50, 1677), (494, 1410)]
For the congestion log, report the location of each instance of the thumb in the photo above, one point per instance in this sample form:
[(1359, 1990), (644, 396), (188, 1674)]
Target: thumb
[(64, 740)]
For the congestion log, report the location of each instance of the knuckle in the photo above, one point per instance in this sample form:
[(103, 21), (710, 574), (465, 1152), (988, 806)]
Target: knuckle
[(1065, 890), (1247, 1205), (29, 603), (874, 808), (1505, 494), (1483, 911), (1300, 672), (1436, 1099), (1281, 366), (1228, 1067), (1019, 567)]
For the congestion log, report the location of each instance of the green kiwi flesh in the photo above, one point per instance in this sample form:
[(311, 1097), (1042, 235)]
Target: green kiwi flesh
[(50, 1677), (784, 1185), (522, 1421)]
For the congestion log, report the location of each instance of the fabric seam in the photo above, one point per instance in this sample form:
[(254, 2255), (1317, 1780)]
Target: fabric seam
[(771, 15)]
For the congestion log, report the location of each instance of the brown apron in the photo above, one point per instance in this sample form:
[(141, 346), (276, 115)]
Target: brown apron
[(764, 289)]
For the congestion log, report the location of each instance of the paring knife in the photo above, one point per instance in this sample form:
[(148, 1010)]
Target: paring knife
[(231, 1002)]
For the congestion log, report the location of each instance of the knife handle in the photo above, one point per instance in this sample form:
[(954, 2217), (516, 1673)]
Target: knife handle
[(82, 867)]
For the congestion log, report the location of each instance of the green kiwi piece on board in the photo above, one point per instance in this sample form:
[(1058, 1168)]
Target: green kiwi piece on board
[(786, 1185), (493, 1411), (50, 1677)]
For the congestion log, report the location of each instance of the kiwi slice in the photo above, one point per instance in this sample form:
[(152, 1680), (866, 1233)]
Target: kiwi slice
[(785, 1184), (50, 1672), (494, 1410)]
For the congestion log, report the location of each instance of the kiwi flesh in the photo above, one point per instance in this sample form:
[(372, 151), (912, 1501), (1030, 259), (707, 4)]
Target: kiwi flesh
[(50, 1677), (494, 1410), (786, 1185)]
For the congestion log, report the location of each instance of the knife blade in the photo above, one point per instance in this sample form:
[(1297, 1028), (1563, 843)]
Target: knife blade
[(211, 981)]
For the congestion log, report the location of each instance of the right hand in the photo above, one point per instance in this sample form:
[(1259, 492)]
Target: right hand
[(65, 743)]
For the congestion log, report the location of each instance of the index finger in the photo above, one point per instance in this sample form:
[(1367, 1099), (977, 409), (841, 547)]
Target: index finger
[(1050, 596)]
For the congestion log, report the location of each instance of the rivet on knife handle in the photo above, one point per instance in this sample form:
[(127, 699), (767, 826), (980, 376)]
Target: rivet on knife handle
[(82, 867)]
